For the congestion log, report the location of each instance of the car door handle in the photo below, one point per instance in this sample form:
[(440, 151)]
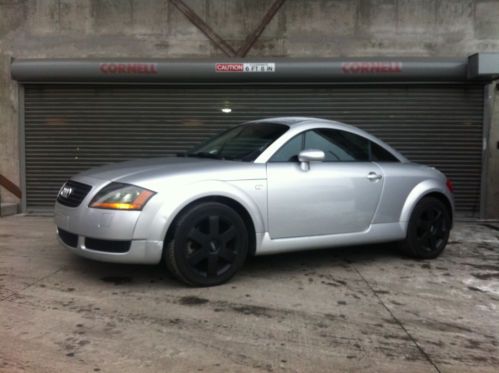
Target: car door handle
[(373, 176)]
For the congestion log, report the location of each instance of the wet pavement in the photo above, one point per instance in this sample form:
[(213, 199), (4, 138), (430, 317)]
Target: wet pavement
[(364, 308)]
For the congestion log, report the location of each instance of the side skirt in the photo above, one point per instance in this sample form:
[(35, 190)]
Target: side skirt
[(376, 233)]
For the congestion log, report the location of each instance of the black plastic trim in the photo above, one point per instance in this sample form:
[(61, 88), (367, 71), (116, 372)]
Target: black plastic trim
[(68, 238), (78, 194), (110, 246)]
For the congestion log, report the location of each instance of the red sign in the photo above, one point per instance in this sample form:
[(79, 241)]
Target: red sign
[(361, 67), (129, 68), (229, 67)]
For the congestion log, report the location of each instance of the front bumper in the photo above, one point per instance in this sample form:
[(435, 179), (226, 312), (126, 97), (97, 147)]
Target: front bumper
[(140, 252), (108, 226)]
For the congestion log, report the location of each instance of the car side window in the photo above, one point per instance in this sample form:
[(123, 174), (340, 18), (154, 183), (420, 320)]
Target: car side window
[(338, 146), (378, 154), (289, 151)]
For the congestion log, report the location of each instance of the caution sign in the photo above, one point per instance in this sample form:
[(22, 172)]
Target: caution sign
[(250, 67)]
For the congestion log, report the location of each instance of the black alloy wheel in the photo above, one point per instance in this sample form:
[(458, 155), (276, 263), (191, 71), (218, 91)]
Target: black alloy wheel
[(428, 230), (431, 229), (210, 244)]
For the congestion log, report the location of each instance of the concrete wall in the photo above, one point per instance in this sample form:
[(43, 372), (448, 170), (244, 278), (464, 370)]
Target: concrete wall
[(155, 28)]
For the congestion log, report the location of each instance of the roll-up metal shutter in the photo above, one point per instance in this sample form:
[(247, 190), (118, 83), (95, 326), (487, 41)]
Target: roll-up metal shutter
[(70, 128)]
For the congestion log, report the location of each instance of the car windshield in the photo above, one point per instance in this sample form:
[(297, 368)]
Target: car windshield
[(242, 143)]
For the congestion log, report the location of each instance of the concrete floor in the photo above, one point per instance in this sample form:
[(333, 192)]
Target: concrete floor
[(350, 309)]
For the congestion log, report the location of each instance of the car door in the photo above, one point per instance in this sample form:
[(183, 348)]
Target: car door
[(334, 196)]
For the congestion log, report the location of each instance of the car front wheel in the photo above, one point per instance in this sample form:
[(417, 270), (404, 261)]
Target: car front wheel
[(209, 246), (428, 230)]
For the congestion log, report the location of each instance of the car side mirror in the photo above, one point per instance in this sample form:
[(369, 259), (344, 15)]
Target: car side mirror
[(310, 155)]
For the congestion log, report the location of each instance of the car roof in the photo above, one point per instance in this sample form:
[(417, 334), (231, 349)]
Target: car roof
[(290, 121), (298, 121), (309, 122)]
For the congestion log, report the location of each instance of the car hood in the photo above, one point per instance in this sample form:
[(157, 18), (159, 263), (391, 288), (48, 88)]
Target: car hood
[(143, 170)]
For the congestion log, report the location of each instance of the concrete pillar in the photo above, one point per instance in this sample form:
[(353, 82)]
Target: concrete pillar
[(9, 149)]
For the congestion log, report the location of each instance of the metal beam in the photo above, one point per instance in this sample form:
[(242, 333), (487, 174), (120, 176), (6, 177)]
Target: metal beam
[(253, 37), (10, 186), (204, 28)]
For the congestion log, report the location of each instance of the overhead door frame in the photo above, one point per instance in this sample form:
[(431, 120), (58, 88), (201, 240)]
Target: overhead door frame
[(489, 91), (22, 147)]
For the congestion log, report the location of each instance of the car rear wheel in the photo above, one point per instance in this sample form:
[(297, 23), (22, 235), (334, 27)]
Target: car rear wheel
[(210, 244), (428, 230)]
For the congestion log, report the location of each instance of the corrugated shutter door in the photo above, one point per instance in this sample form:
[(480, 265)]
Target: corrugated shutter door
[(72, 128)]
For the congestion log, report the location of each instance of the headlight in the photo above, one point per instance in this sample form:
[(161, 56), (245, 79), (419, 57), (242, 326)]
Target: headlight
[(118, 196)]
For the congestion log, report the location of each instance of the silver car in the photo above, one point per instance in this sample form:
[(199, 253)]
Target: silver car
[(264, 187)]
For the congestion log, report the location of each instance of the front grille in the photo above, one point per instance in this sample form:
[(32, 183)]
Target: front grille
[(68, 238), (77, 193), (109, 246)]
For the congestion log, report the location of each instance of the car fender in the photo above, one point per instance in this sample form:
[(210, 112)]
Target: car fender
[(417, 193), (169, 208)]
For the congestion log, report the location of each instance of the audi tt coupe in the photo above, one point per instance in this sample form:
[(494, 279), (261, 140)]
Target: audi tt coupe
[(263, 187)]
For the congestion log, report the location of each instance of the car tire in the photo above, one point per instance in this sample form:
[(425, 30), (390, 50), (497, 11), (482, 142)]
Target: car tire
[(428, 229), (209, 245)]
